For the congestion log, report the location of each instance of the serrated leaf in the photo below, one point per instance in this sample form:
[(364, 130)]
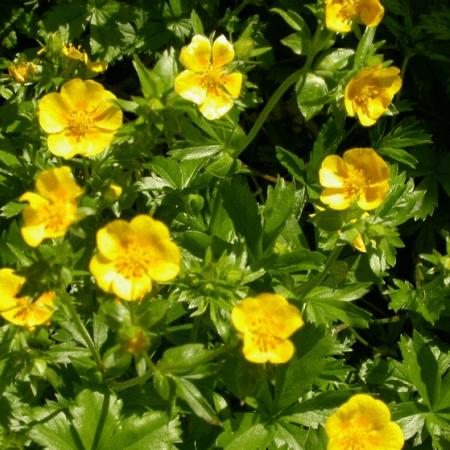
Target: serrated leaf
[(294, 165)]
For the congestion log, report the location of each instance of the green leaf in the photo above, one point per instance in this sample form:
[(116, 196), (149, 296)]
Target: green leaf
[(311, 95), (421, 368), (279, 205), (197, 25), (294, 165), (292, 19), (242, 209), (151, 84), (244, 432), (184, 358), (364, 46), (335, 59), (296, 377), (194, 398), (299, 42)]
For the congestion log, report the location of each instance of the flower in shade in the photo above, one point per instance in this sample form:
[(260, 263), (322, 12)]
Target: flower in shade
[(131, 255), (360, 175), (53, 208), (369, 94), (81, 120), (206, 80), (363, 423), (23, 310), (76, 53), (266, 322), (339, 14), (22, 71)]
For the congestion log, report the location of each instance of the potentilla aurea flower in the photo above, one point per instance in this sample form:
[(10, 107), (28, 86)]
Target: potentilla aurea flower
[(207, 81)]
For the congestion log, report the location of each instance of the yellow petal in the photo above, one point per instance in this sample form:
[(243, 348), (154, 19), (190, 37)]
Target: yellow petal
[(358, 243), (53, 113), (348, 101), (388, 438), (95, 66), (336, 19), (216, 105), (364, 118), (149, 229), (103, 271), (85, 95), (189, 86), (65, 145), (168, 266), (333, 172), (35, 201), (252, 352), (222, 52), (96, 142), (282, 353), (197, 55), (232, 83), (133, 289), (367, 161), (107, 116), (33, 235), (10, 286), (239, 318), (112, 238), (336, 198), (370, 12), (373, 196), (58, 184)]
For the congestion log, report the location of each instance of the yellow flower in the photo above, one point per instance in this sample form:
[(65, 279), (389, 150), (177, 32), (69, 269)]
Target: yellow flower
[(53, 208), (23, 311), (266, 322), (206, 82), (21, 72), (339, 14), (363, 423), (76, 53), (360, 175), (82, 119), (133, 254), (358, 243), (369, 94)]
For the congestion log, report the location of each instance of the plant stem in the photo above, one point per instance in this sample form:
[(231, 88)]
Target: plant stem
[(121, 385), (320, 277), (84, 332), (276, 96)]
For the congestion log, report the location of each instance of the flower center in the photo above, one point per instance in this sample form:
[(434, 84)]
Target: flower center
[(212, 79), (80, 123), (59, 216), (357, 180), (348, 10), (265, 342), (133, 263)]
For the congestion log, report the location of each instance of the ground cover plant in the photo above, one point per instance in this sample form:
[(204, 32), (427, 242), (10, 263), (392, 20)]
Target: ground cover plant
[(224, 225)]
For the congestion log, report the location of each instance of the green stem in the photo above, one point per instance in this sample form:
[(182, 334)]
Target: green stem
[(276, 96), (320, 277), (121, 385), (84, 332)]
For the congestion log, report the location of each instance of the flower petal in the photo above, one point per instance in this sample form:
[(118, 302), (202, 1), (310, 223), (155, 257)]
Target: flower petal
[(333, 172), (103, 271), (222, 52), (232, 83), (33, 235), (197, 55), (189, 86), (373, 196), (133, 289), (336, 198), (112, 238), (370, 12), (107, 116), (58, 184), (368, 162), (10, 286), (85, 95), (216, 105), (336, 19), (282, 353), (53, 113)]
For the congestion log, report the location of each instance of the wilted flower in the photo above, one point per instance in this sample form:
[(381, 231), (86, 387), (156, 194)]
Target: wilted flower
[(131, 255), (339, 14), (23, 311), (206, 82), (360, 175), (22, 71), (369, 94), (82, 119), (363, 423), (266, 322), (53, 208), (76, 53)]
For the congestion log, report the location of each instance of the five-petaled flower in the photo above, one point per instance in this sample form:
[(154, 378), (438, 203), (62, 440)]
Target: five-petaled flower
[(51, 210), (22, 71), (369, 94), (206, 82), (339, 14), (363, 423), (360, 175), (131, 255), (266, 322), (23, 310), (81, 120)]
